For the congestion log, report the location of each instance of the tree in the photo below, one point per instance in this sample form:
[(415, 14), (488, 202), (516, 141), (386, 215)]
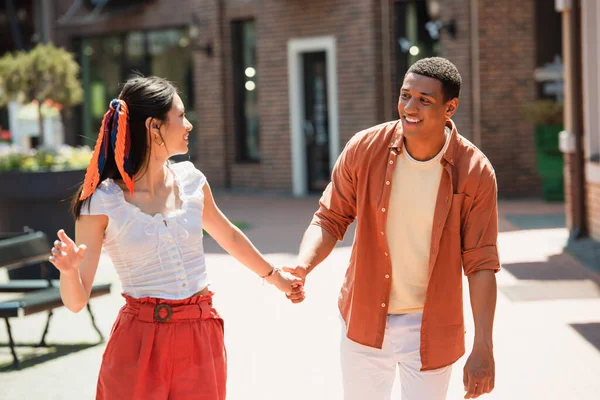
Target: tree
[(46, 74)]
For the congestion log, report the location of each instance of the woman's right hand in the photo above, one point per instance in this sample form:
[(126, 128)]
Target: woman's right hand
[(66, 255), (286, 282)]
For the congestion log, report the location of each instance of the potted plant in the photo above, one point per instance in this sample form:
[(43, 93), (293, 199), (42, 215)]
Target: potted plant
[(37, 190), (37, 184), (547, 117), (46, 75)]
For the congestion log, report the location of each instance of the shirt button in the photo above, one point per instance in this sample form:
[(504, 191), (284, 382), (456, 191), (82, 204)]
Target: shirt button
[(387, 182), (382, 305), (383, 209), (391, 161), (387, 276), (386, 254), (382, 233)]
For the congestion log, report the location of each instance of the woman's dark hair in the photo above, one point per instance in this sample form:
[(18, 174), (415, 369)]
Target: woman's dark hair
[(145, 97)]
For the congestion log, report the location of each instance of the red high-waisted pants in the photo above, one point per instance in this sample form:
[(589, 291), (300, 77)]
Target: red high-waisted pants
[(165, 350)]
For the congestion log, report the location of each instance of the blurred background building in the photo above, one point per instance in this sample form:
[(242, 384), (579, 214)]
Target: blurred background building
[(275, 88), (278, 87), (580, 141)]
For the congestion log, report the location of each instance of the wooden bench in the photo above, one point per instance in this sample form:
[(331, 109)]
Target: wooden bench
[(32, 296)]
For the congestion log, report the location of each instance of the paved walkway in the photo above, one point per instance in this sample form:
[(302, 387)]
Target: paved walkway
[(547, 335)]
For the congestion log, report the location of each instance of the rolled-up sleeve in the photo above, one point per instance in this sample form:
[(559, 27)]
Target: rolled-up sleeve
[(480, 231), (337, 206)]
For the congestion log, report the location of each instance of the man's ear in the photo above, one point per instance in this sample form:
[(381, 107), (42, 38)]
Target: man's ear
[(451, 107)]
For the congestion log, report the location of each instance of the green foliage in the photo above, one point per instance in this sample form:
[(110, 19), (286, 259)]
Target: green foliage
[(46, 74), (544, 112), (63, 158)]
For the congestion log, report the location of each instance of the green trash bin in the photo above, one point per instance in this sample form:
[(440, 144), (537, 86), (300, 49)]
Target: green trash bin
[(550, 162)]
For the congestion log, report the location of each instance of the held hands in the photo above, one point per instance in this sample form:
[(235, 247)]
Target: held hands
[(286, 282), (300, 272), (66, 255)]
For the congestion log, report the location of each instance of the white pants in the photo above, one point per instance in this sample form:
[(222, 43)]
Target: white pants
[(368, 373)]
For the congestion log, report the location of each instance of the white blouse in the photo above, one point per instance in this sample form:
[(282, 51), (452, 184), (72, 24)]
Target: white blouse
[(161, 255)]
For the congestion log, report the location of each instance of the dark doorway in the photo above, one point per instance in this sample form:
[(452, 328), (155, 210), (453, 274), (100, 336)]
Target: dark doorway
[(316, 120)]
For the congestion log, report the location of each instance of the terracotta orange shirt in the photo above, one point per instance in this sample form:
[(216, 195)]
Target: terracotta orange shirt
[(463, 239)]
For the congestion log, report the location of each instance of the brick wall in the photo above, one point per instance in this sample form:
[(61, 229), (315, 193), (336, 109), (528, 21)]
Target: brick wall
[(359, 73), (592, 200), (394, 92), (211, 98), (243, 175), (507, 49), (507, 60), (458, 50), (593, 205), (506, 63), (569, 172), (351, 22)]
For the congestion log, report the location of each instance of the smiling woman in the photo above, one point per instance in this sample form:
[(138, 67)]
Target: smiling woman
[(148, 214)]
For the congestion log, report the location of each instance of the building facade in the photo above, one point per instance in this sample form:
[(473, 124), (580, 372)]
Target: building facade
[(277, 87), (581, 139)]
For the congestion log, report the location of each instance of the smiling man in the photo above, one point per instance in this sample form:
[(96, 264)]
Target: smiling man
[(426, 203)]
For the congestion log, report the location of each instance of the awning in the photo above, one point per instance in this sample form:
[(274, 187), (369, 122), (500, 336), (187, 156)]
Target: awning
[(83, 12)]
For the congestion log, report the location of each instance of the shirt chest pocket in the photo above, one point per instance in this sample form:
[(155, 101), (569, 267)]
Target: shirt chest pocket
[(459, 209)]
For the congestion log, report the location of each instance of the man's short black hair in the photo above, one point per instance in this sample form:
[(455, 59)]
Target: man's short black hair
[(441, 69)]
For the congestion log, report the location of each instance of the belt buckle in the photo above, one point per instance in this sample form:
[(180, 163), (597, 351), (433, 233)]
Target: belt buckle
[(157, 312)]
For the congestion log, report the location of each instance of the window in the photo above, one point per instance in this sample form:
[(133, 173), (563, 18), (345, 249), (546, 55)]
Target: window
[(100, 60), (245, 86), (107, 61), (416, 36)]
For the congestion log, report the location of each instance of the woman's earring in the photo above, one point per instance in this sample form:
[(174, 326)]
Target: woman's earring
[(158, 140)]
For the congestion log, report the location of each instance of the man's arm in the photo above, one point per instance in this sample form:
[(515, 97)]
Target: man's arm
[(479, 373), (316, 245), (482, 290), (329, 224), (480, 263)]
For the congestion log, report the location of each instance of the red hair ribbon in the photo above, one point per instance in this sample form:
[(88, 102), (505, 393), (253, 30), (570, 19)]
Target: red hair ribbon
[(114, 134)]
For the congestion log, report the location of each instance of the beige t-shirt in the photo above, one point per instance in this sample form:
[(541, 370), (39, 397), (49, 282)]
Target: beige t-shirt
[(409, 223)]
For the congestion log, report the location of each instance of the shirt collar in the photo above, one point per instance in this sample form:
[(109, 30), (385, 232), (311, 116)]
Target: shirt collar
[(449, 155)]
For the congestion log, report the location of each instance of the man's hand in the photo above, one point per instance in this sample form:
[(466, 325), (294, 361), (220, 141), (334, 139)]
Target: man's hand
[(286, 282), (479, 373), (300, 272)]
